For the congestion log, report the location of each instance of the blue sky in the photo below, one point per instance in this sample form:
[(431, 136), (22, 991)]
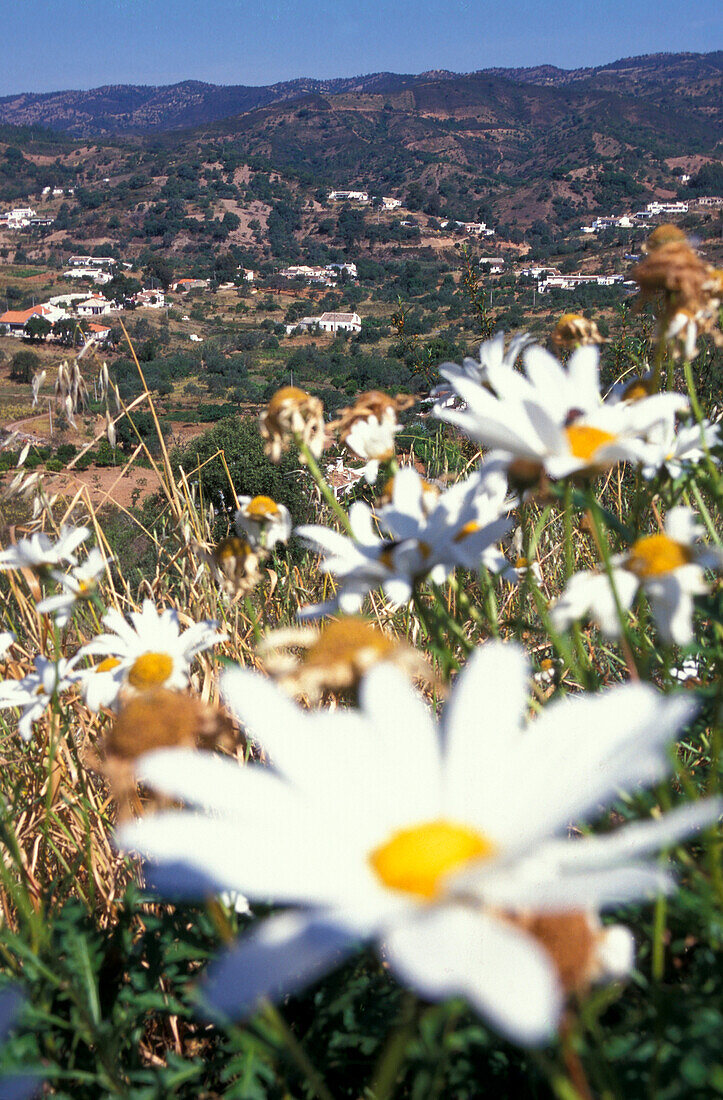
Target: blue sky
[(54, 44)]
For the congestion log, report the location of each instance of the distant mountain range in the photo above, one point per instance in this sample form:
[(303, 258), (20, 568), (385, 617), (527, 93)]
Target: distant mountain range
[(685, 82)]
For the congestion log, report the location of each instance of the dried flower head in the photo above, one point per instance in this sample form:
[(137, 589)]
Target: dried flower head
[(582, 951), (236, 565), (336, 657), (688, 290), (373, 403), (663, 235), (158, 719), (290, 415), (573, 330)]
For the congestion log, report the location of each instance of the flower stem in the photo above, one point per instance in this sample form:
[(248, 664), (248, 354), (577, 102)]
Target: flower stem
[(323, 485), (297, 1052), (392, 1059)]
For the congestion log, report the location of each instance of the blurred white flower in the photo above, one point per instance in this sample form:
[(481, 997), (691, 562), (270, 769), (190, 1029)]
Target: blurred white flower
[(492, 355), (34, 693), (672, 449), (152, 651), (670, 567), (425, 537), (439, 843), (373, 440), (79, 584), (262, 521), (40, 553), (553, 417)]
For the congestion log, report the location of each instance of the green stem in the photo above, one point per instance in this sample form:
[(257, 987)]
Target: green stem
[(297, 1052), (392, 1059), (324, 487)]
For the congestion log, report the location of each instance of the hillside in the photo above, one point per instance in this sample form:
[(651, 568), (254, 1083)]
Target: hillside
[(147, 109)]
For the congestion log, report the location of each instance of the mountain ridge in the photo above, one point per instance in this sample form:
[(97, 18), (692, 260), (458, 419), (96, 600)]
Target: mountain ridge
[(118, 109)]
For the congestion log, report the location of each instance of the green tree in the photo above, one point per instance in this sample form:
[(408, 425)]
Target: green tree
[(37, 329), (24, 366)]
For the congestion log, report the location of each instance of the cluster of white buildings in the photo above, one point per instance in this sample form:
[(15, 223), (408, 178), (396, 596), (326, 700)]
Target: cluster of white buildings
[(23, 217), (323, 275), (388, 203), (57, 192), (570, 282), (653, 209), (327, 322)]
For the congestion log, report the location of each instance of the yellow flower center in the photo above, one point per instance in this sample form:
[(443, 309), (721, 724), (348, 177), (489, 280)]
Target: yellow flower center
[(417, 860), (387, 555), (150, 670), (585, 440), (261, 508), (107, 664), (468, 529), (657, 554), (637, 390)]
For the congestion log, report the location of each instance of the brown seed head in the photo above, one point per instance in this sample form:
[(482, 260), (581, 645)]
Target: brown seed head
[(236, 565), (289, 414), (372, 403), (165, 719), (573, 330)]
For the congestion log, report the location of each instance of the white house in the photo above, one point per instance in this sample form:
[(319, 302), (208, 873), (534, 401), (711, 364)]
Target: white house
[(92, 261), (14, 321), (667, 207), (96, 306), (304, 324), (150, 299), (349, 268), (493, 264), (349, 196), (340, 322), (389, 203), (98, 276), (98, 333)]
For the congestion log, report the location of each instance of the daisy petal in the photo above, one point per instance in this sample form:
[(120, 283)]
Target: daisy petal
[(457, 952), (282, 956)]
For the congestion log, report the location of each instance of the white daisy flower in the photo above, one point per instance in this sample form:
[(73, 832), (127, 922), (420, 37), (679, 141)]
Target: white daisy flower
[(553, 417), (34, 693), (151, 652), (670, 567), (675, 450), (6, 640), (425, 538), (39, 552), (373, 440), (262, 521), (79, 585), (439, 843), (492, 355), (101, 683)]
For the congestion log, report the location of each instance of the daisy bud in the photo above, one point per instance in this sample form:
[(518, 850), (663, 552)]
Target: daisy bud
[(291, 413)]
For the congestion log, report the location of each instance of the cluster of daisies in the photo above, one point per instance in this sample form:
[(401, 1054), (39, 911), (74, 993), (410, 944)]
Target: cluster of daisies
[(446, 842), (147, 650), (548, 421)]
